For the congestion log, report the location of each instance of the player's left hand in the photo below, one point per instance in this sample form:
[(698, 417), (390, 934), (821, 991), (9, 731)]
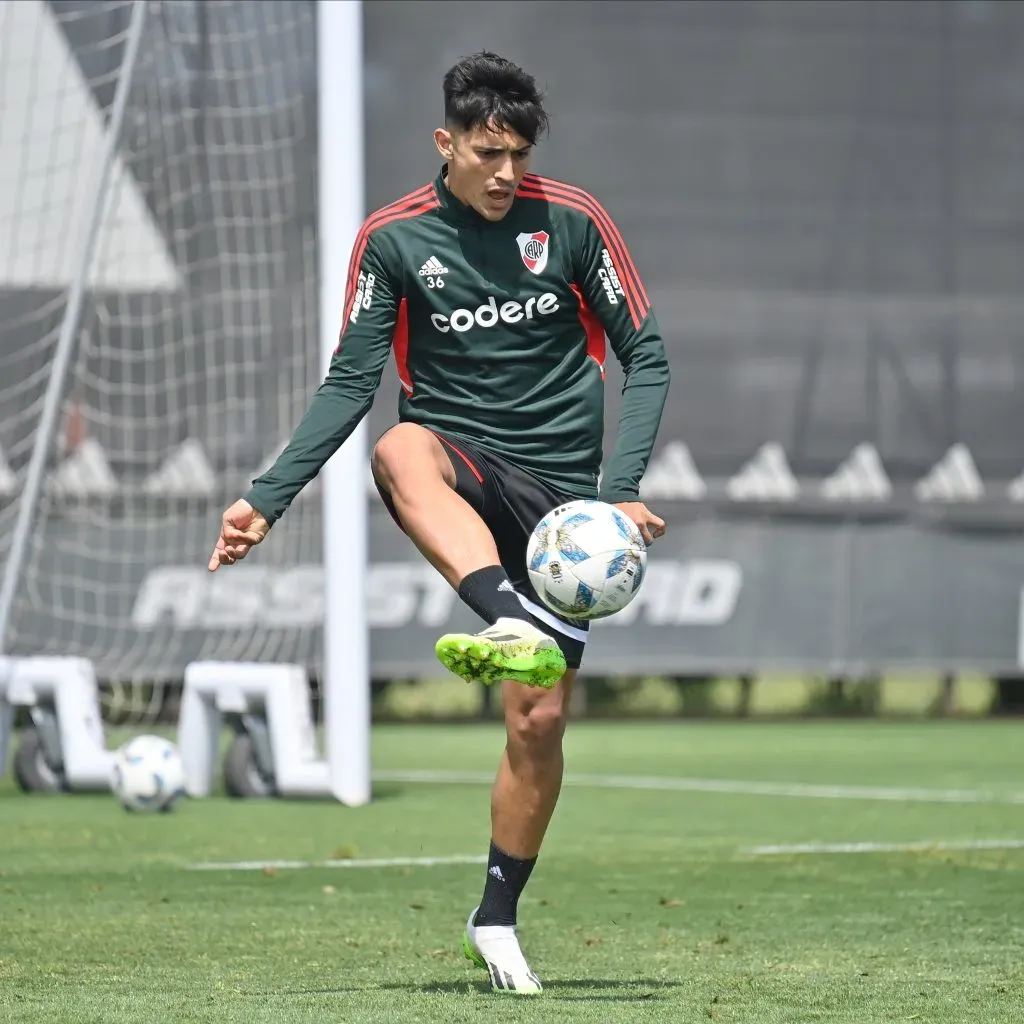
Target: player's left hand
[(241, 529), (650, 526)]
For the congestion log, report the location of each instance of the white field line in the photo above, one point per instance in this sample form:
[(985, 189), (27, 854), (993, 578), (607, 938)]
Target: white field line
[(374, 862), (670, 784), (899, 794), (924, 846)]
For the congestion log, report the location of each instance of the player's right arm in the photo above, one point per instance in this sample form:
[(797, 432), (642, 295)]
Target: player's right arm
[(372, 298)]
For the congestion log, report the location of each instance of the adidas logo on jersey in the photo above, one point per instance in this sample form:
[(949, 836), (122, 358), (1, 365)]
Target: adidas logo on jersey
[(433, 267), (489, 313)]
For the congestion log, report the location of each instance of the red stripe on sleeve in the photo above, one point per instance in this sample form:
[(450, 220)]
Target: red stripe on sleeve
[(541, 188), (367, 228), (602, 215), (636, 310), (413, 205)]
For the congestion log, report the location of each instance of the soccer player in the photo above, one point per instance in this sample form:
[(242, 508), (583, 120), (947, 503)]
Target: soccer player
[(496, 290)]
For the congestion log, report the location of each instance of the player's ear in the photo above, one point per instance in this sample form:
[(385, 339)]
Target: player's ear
[(444, 142)]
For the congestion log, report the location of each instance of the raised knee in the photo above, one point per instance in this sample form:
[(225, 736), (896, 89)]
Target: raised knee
[(404, 445), (537, 727)]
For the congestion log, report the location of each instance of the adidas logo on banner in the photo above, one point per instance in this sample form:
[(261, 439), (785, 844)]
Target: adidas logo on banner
[(861, 477), (185, 471), (766, 477), (85, 473), (433, 267), (953, 478), (672, 474), (1015, 492)]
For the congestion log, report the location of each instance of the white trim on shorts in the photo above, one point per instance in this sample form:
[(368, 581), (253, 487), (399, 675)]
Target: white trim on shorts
[(573, 632)]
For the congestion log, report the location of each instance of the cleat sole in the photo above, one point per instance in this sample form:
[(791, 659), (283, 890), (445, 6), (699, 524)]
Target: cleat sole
[(471, 659)]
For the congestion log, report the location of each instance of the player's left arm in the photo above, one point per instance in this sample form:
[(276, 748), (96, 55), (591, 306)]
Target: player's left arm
[(612, 288)]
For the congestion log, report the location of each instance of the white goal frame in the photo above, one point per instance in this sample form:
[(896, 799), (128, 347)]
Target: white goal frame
[(341, 210), (67, 689), (280, 693), (277, 693), (344, 772)]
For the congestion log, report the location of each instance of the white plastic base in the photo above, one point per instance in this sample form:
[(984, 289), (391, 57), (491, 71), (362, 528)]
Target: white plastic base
[(280, 693), (68, 686)]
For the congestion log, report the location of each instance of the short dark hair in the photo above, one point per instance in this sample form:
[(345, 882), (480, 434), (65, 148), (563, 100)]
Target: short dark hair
[(486, 89)]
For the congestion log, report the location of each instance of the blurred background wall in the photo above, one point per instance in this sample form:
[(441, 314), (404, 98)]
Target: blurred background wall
[(826, 201)]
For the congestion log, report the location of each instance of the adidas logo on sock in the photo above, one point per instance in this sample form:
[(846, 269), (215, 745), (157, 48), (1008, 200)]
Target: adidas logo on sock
[(495, 872), (433, 267), (506, 585)]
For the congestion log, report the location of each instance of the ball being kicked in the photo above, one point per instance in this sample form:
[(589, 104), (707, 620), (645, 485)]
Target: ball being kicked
[(586, 559)]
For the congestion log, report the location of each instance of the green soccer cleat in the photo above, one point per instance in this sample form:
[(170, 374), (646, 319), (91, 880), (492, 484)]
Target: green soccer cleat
[(496, 950), (510, 649)]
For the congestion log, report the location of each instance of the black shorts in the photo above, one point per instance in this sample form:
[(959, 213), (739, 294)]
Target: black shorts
[(511, 502)]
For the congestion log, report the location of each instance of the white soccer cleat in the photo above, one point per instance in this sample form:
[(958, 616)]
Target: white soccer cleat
[(496, 949)]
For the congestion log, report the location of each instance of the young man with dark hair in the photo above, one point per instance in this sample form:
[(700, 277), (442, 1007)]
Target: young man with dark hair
[(496, 290)]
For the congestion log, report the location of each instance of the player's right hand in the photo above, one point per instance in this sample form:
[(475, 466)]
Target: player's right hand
[(241, 529), (651, 527)]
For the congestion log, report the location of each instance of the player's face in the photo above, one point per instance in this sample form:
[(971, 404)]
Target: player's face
[(485, 167)]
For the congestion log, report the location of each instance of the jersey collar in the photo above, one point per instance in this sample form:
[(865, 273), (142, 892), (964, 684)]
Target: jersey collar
[(453, 207)]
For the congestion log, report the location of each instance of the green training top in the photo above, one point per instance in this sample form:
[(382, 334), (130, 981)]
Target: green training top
[(498, 330)]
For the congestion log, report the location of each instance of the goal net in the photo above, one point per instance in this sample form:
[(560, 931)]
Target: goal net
[(189, 289)]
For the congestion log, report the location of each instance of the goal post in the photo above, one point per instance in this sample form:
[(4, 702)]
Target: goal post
[(346, 671), (180, 188)]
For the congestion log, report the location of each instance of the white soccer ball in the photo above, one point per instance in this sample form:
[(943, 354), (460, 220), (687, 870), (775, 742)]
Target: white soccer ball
[(586, 559), (148, 774)]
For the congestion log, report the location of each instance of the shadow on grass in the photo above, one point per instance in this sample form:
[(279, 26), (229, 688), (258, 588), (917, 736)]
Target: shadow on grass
[(387, 790), (608, 990), (636, 990), (378, 791)]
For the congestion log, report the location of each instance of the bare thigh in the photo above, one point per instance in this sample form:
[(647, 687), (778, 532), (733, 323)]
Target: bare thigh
[(408, 453)]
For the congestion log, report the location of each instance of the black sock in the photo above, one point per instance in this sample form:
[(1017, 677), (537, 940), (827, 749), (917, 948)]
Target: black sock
[(506, 878), (489, 593)]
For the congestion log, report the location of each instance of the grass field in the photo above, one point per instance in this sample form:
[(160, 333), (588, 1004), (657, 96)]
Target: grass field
[(650, 903)]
